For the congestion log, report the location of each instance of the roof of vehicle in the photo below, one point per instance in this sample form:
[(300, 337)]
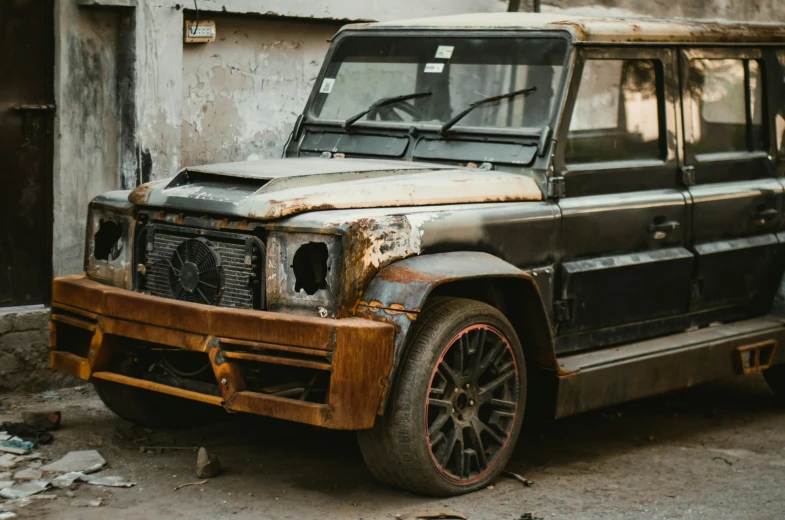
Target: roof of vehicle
[(603, 30)]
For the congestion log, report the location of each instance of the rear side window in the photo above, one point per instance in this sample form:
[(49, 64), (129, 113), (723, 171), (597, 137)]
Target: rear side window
[(616, 115), (727, 111)]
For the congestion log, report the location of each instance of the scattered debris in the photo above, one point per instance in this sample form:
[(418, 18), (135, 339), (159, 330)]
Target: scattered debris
[(85, 503), (432, 515), (42, 420), (24, 490), (723, 459), (66, 479), (106, 481), (208, 465), (7, 515), (7, 461), (86, 461), (181, 486), (523, 480), (530, 516), (16, 446), (28, 474)]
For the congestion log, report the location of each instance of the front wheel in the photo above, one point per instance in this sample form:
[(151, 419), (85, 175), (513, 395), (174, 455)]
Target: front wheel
[(457, 407)]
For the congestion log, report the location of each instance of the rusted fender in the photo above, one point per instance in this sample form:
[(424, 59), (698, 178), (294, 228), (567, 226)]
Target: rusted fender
[(399, 291)]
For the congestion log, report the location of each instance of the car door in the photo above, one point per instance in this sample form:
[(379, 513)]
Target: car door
[(625, 264), (731, 177)]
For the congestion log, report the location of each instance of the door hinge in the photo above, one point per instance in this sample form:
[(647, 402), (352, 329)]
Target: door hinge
[(562, 310), (556, 189), (688, 175)]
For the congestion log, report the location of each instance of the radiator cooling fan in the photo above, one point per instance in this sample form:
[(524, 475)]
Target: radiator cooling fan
[(195, 272)]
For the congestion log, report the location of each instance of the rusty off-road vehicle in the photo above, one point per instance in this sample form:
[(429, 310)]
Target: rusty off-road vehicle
[(475, 215)]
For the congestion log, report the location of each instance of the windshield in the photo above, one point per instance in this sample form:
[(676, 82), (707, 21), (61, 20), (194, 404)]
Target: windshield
[(456, 71)]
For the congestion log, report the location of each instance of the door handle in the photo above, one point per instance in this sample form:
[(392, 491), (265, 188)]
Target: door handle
[(664, 227), (765, 215)]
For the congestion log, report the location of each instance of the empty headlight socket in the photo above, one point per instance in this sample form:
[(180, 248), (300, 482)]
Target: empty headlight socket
[(107, 241), (310, 267)]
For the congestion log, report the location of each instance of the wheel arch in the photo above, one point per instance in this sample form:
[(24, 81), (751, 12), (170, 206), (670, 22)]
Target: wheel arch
[(401, 290)]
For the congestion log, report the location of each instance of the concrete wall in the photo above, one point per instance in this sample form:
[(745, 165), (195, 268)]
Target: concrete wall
[(242, 93), (135, 103)]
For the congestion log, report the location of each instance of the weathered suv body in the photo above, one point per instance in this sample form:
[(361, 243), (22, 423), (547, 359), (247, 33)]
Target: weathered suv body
[(535, 209)]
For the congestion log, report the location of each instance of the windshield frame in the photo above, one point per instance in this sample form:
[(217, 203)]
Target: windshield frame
[(558, 96)]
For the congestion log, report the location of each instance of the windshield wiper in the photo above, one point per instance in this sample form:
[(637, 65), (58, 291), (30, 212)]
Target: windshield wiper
[(383, 103), (449, 124)]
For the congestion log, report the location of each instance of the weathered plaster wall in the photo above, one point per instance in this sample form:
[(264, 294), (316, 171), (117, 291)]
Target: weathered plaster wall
[(242, 93), (86, 124)]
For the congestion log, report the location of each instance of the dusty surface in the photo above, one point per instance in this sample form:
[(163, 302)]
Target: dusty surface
[(717, 452)]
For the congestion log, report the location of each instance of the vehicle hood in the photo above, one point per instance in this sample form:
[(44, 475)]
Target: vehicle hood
[(275, 188)]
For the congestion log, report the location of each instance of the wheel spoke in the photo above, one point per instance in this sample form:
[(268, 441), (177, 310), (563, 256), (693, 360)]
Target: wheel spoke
[(496, 350), (439, 422), (440, 403), (487, 390), (436, 438), (501, 403), (480, 427), (475, 435), (447, 372)]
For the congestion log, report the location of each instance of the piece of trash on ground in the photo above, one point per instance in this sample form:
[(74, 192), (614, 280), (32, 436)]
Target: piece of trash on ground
[(86, 461), (24, 490), (16, 446), (530, 516), (42, 420), (106, 481), (67, 479), (208, 465), (181, 486), (523, 480)]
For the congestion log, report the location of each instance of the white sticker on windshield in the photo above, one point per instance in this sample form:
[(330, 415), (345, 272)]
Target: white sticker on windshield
[(444, 51), (327, 86), (434, 67)]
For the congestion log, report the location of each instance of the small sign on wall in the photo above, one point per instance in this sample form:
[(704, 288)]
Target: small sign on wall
[(200, 31)]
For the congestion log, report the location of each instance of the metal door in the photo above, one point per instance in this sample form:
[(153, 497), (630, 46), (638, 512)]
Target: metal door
[(736, 199), (26, 115), (625, 262)]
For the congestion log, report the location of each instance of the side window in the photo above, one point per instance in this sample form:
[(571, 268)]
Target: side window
[(727, 105), (616, 115)]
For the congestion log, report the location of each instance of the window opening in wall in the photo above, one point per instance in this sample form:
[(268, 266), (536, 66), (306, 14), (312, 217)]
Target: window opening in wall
[(616, 113)]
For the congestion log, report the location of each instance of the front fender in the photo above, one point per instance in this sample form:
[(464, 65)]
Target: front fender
[(399, 291)]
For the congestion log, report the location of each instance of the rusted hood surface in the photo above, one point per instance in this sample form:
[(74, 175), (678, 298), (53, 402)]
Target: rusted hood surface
[(275, 188)]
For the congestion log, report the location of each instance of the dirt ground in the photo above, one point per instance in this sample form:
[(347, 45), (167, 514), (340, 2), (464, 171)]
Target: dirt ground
[(717, 452)]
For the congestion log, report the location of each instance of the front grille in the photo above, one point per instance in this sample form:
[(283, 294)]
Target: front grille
[(240, 257)]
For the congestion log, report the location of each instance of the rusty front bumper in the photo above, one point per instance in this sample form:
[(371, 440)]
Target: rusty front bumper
[(357, 353)]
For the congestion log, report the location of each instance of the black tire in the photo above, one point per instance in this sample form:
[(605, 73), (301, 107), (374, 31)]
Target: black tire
[(148, 408), (431, 405), (775, 378), (153, 409)]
